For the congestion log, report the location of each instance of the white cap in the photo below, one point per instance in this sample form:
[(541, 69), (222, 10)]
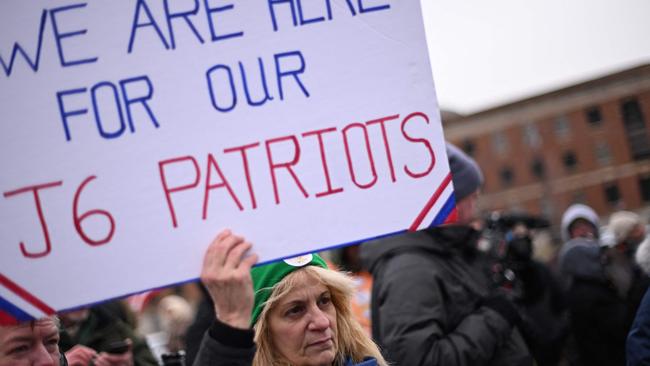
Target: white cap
[(574, 212), (622, 223)]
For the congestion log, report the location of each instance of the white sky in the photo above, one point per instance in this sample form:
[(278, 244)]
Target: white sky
[(486, 53)]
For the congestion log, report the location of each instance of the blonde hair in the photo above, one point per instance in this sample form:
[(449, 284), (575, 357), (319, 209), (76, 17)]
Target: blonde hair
[(351, 339)]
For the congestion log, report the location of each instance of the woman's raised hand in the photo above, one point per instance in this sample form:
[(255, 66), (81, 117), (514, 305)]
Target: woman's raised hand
[(226, 274)]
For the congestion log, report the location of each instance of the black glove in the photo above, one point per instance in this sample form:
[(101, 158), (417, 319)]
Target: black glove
[(502, 305)]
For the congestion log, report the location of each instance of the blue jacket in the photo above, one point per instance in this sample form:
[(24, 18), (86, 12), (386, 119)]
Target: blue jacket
[(638, 341), (368, 361)]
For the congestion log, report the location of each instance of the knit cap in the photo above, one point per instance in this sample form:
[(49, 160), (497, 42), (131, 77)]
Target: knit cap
[(268, 275), (465, 173)]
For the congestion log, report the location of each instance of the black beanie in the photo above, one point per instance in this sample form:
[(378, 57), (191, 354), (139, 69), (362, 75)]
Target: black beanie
[(465, 173)]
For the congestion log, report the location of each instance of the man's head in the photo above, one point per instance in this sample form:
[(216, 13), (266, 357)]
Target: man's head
[(467, 178), (579, 221), (627, 228), (625, 232), (581, 228), (34, 343)]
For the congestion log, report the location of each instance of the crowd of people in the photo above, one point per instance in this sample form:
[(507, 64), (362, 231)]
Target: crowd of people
[(468, 293)]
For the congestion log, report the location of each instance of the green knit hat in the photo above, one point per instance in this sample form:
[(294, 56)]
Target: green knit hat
[(268, 275)]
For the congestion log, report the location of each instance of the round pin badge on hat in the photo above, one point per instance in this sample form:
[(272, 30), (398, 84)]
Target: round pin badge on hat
[(299, 261)]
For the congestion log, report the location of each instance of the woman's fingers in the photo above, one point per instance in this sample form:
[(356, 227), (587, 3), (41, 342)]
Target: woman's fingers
[(248, 262), (211, 254), (223, 234), (224, 258), (226, 251), (236, 254), (221, 246), (226, 246), (226, 275), (216, 254)]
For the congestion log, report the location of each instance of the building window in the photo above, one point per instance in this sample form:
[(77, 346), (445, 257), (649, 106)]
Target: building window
[(594, 117), (469, 147), (499, 142), (612, 194), (603, 153), (532, 137), (562, 128), (644, 186), (635, 130), (570, 161), (507, 176), (538, 168)]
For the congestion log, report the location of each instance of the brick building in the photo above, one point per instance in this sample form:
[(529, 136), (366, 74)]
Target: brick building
[(587, 143)]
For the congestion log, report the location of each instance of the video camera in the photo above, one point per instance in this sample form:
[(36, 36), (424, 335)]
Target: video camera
[(511, 248)]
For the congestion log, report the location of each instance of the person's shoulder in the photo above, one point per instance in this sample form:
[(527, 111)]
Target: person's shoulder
[(392, 246), (399, 239), (410, 250), (577, 252), (378, 252)]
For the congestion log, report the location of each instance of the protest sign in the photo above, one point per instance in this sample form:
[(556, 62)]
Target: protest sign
[(132, 132)]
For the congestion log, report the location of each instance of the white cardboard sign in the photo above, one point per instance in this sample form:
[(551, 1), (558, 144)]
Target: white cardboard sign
[(133, 131)]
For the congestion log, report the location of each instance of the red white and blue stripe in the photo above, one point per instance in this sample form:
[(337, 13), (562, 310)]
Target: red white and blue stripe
[(18, 305), (439, 209)]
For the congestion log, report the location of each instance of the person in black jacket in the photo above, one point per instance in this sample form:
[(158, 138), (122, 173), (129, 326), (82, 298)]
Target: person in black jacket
[(432, 300), (203, 318), (604, 289), (533, 287)]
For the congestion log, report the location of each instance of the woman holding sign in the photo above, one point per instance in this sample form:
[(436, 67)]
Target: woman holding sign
[(292, 312)]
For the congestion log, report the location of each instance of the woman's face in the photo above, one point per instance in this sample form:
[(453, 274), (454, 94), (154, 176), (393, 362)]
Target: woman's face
[(303, 324)]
